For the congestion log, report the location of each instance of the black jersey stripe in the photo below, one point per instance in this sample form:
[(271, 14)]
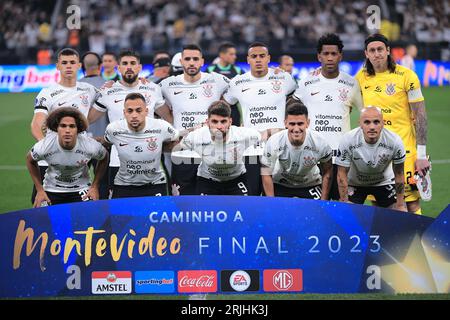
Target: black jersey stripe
[(100, 105), (41, 107)]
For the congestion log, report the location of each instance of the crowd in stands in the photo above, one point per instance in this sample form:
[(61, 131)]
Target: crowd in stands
[(150, 25)]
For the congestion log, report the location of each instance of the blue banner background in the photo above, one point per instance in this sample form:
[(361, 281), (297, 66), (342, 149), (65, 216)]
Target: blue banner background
[(305, 226)]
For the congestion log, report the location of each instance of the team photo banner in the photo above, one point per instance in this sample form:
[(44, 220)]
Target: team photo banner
[(33, 78), (221, 245)]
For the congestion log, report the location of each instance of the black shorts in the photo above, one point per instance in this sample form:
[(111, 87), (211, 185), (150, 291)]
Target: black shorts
[(384, 195), (184, 178), (254, 181), (314, 192), (235, 187), (65, 197), (112, 171), (147, 190)]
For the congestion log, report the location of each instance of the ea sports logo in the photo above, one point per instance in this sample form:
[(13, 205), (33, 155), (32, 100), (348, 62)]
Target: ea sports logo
[(283, 280), (240, 280)]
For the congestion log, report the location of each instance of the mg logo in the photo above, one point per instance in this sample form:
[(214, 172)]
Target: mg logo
[(283, 280)]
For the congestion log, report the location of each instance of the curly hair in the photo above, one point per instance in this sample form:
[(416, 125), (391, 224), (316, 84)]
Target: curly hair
[(54, 118)]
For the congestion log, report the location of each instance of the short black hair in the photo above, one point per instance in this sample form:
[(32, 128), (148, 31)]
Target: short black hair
[(54, 118), (219, 108), (129, 53), (67, 52), (258, 44), (109, 53), (330, 39), (296, 108), (192, 47), (223, 48), (134, 96)]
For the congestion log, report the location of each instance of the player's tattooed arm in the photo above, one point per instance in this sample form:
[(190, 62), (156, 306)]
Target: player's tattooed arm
[(327, 174), (422, 165), (343, 183), (38, 126), (399, 186), (420, 116)]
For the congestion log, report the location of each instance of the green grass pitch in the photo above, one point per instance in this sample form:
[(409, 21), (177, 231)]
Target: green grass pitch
[(16, 111)]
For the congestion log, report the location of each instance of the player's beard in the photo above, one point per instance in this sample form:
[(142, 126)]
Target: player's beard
[(190, 72), (129, 79)]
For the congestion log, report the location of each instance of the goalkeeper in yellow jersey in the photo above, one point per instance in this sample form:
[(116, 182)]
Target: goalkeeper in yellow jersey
[(396, 90)]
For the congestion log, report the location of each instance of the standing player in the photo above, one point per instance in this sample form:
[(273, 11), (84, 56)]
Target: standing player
[(408, 59), (286, 63), (91, 64), (221, 147), (109, 63), (289, 162), (111, 100), (67, 92), (139, 140), (226, 67), (262, 93), (189, 95), (364, 164), (329, 97), (396, 90), (68, 153)]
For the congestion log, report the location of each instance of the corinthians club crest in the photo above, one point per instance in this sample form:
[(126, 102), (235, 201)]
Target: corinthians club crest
[(207, 90), (276, 86), (343, 94), (309, 161), (390, 89), (152, 145)]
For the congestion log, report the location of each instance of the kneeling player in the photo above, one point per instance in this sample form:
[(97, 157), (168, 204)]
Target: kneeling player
[(221, 147), (289, 162), (67, 152), (139, 141), (364, 164)]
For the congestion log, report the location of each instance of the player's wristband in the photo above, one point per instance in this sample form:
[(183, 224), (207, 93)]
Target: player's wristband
[(421, 152)]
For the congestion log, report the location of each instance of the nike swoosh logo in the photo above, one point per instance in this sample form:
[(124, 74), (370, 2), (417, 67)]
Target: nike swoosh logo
[(61, 103), (366, 87), (177, 92), (123, 144), (115, 101), (355, 158), (243, 90), (314, 93)]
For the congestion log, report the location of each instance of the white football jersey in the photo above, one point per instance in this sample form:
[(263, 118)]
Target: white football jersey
[(262, 100), (112, 100), (190, 101), (329, 102), (81, 97), (67, 170), (295, 167), (140, 152), (370, 164), (221, 161)]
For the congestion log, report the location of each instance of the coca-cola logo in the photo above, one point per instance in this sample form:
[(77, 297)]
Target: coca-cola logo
[(197, 281)]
